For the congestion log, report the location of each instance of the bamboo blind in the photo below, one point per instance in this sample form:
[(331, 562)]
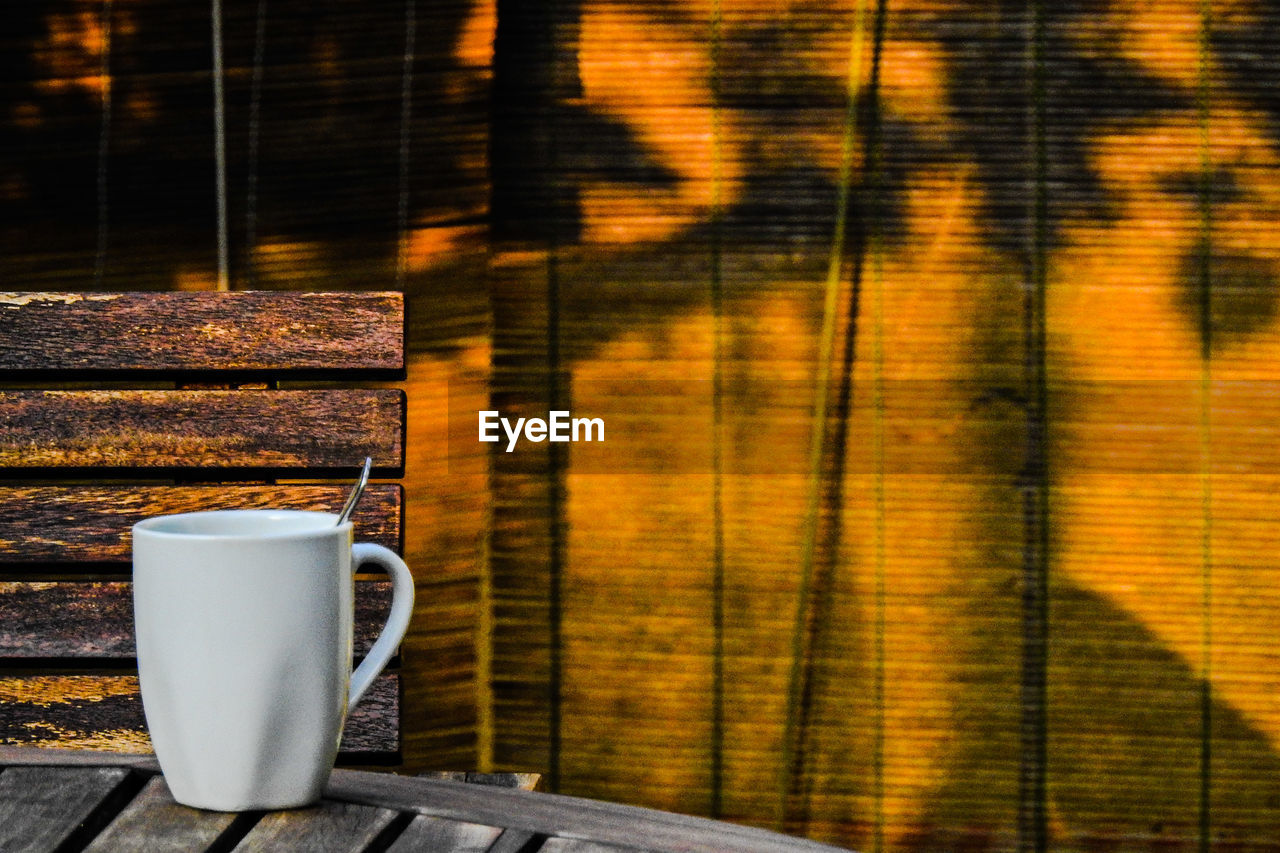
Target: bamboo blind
[(1006, 581)]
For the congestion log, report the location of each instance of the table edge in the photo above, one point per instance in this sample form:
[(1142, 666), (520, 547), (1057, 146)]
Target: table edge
[(543, 813)]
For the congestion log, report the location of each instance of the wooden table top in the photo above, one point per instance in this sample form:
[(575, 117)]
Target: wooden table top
[(61, 800)]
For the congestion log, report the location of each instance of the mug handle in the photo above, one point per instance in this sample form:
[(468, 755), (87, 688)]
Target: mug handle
[(397, 620)]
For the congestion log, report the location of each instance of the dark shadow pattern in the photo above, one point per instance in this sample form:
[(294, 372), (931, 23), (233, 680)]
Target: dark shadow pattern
[(1089, 88), (327, 131)]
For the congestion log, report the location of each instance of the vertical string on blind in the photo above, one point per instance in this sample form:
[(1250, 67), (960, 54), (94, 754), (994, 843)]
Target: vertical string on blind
[(875, 233), (220, 150), (1204, 275), (717, 429), (251, 159), (557, 455), (823, 445), (558, 469), (1033, 723), (406, 117), (104, 146)]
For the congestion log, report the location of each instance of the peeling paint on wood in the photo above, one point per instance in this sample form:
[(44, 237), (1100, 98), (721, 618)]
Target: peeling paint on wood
[(14, 300)]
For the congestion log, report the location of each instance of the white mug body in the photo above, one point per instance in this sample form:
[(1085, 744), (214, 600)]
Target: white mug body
[(244, 635)]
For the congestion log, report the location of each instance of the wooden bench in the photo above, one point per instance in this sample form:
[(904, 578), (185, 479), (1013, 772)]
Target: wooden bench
[(118, 406)]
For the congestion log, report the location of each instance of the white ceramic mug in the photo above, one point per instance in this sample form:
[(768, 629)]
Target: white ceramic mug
[(244, 629)]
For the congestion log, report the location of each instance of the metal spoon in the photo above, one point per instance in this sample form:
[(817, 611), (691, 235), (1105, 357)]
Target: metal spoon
[(356, 492)]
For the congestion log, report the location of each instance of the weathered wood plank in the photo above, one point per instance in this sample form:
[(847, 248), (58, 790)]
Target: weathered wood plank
[(578, 845), (437, 833), (522, 813), (333, 827), (515, 841), (26, 756), (92, 523), (523, 781), (104, 712), (200, 331), (556, 815), (154, 823), (94, 620), (43, 807), (327, 429), (373, 729)]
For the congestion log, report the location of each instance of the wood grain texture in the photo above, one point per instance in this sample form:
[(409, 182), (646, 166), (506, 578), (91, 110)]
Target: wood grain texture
[(92, 523), (523, 781), (332, 827), (373, 729), (556, 815), (94, 620), (26, 756), (154, 823), (516, 841), (43, 807), (104, 711), (578, 845), (201, 331), (448, 810), (207, 431), (437, 833)]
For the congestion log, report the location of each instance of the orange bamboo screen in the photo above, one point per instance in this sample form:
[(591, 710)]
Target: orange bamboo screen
[(1015, 589)]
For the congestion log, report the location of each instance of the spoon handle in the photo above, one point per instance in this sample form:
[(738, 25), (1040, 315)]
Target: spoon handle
[(356, 491)]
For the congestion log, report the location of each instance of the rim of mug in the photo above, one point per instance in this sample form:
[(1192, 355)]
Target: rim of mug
[(325, 524)]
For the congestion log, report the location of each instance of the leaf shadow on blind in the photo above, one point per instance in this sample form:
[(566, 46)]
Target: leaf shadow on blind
[(1118, 690), (1124, 739)]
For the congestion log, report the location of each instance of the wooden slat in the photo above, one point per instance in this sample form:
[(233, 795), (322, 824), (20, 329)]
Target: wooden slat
[(331, 826), (94, 620), (577, 845), (556, 815), (516, 841), (437, 833), (43, 807), (373, 729), (26, 756), (523, 813), (201, 331), (92, 523), (105, 712), (154, 823), (523, 781), (203, 430)]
